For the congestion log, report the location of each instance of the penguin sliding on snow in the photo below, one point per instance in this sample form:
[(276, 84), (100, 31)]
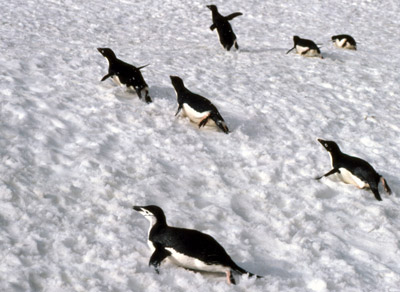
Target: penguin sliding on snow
[(353, 170), (198, 108), (344, 41), (125, 74), (188, 248), (305, 47), (225, 33)]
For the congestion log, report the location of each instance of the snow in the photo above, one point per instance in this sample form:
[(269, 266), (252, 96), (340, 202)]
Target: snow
[(77, 154)]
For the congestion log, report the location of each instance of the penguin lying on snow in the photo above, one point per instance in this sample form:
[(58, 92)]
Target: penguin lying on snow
[(126, 74), (188, 248), (305, 47), (353, 170), (225, 33), (199, 109), (344, 41)]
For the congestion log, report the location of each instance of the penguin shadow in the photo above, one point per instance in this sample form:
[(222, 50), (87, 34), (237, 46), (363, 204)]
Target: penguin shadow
[(261, 50), (161, 92)]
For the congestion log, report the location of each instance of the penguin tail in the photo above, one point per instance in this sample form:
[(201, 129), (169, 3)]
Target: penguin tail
[(219, 121), (385, 185), (376, 193), (235, 268)]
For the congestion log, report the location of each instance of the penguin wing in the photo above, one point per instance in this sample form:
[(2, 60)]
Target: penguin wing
[(106, 76), (233, 15), (196, 244), (213, 26)]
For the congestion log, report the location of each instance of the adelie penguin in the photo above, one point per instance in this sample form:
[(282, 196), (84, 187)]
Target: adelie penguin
[(353, 170), (125, 74), (187, 248), (227, 38), (344, 41), (305, 47), (198, 108)]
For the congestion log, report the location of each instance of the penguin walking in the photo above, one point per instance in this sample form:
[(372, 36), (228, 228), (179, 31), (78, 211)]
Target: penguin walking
[(305, 47), (227, 38), (344, 41), (125, 74), (353, 170), (187, 248), (198, 108)]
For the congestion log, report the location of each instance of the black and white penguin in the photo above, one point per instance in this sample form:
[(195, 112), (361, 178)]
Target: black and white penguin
[(198, 108), (305, 47), (125, 74), (353, 170), (344, 41), (187, 248), (225, 33)]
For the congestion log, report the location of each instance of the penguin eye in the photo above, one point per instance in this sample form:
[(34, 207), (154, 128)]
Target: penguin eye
[(326, 144)]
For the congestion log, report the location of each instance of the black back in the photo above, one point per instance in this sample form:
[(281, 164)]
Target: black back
[(305, 43), (195, 101)]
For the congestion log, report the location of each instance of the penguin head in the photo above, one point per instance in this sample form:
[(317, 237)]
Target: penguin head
[(296, 39), (152, 213), (177, 82), (213, 8), (107, 53), (330, 146)]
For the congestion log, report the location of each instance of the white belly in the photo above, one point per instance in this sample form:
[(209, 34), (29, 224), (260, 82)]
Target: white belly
[(194, 264), (116, 80), (343, 44), (195, 116), (348, 178), (311, 53)]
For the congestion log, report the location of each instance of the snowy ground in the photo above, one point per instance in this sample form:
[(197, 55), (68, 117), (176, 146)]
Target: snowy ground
[(77, 154)]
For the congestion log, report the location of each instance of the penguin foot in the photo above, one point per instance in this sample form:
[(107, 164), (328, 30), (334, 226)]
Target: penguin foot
[(229, 278), (386, 186)]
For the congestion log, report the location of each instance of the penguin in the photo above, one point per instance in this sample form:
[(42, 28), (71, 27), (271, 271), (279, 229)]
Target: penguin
[(227, 38), (305, 47), (353, 170), (125, 74), (198, 108), (344, 41), (187, 248)]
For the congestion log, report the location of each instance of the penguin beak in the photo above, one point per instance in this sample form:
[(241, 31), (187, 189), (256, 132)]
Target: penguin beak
[(137, 208)]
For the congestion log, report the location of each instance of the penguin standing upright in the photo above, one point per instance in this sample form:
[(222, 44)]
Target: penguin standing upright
[(198, 108), (344, 41), (226, 35), (125, 74), (305, 47), (187, 248), (353, 170)]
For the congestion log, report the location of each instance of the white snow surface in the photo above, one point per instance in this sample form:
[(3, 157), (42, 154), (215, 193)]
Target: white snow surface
[(77, 154)]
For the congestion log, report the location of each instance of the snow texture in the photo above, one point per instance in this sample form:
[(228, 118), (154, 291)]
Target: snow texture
[(77, 154)]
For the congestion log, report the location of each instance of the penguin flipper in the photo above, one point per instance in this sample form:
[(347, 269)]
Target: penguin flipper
[(179, 109), (332, 171), (106, 76), (158, 256), (213, 26), (233, 15), (290, 50)]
